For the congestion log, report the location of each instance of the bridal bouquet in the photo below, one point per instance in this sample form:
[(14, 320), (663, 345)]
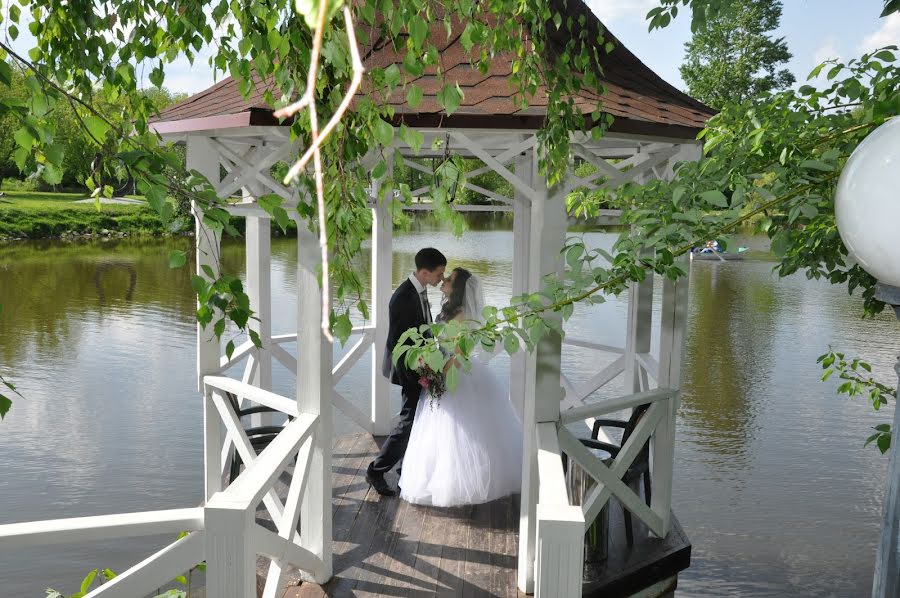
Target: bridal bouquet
[(432, 381)]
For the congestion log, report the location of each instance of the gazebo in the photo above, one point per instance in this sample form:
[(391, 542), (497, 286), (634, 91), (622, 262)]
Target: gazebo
[(655, 126), (234, 142)]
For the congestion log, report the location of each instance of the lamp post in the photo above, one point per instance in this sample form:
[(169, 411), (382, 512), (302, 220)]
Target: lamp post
[(867, 208)]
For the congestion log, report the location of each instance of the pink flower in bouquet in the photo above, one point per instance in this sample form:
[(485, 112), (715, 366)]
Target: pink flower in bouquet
[(423, 382)]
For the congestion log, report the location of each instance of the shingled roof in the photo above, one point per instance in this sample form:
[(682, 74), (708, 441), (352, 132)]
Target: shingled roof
[(640, 101)]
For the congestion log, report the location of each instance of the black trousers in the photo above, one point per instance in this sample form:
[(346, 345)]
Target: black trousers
[(394, 447)]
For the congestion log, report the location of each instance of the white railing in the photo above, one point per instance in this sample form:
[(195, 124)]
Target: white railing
[(224, 531), (655, 425), (559, 547), (366, 336)]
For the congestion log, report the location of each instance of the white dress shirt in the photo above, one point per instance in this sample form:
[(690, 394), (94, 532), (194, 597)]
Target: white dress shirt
[(420, 288)]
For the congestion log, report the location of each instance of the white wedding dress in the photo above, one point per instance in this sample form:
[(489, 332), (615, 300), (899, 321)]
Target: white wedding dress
[(465, 448)]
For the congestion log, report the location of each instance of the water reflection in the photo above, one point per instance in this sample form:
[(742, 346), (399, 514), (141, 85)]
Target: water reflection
[(772, 482)]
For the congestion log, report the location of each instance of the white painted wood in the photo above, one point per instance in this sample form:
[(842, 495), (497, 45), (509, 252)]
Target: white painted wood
[(251, 393), (522, 385), (102, 527), (542, 372), (559, 551), (146, 577), (250, 487), (271, 545), (586, 344), (284, 358), (639, 331), (352, 411), (245, 450), (258, 237), (241, 351), (382, 279), (212, 445), (552, 489), (226, 446), (648, 364), (673, 325), (287, 527), (596, 382), (351, 357), (204, 159), (608, 406), (230, 559), (886, 582), (601, 494), (314, 396), (478, 151), (597, 470)]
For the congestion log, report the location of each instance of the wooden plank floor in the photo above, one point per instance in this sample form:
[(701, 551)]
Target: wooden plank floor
[(387, 547)]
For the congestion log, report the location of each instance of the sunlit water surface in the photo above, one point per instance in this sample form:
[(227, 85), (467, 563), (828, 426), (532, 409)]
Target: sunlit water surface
[(773, 484)]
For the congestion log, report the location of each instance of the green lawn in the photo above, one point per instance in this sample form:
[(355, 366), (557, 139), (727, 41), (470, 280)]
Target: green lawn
[(36, 215)]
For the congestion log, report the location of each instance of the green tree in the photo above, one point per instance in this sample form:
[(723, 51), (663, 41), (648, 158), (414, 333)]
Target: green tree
[(12, 98), (732, 56)]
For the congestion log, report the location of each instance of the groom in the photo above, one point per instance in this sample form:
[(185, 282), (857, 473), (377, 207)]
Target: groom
[(409, 308)]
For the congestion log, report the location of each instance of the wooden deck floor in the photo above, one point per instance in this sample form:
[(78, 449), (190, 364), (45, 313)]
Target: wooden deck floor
[(384, 546)]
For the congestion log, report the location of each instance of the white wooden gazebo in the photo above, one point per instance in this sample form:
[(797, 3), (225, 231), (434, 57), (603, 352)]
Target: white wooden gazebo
[(655, 127)]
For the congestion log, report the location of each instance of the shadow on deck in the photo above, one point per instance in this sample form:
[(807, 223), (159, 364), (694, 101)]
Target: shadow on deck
[(387, 547)]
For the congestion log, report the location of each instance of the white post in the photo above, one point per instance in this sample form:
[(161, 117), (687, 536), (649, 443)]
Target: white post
[(639, 329), (382, 279), (543, 391), (560, 552), (259, 288), (886, 582), (202, 157), (314, 395), (230, 560), (520, 269), (673, 323)]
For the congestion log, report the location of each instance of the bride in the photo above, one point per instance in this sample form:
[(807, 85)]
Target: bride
[(465, 448)]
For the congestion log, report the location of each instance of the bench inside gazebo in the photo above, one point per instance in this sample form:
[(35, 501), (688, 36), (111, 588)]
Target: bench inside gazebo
[(302, 504)]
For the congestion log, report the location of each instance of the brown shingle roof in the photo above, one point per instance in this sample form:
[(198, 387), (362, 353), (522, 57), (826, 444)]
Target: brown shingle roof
[(638, 98)]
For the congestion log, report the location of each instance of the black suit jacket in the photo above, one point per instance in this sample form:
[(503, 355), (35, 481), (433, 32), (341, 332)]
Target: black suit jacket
[(405, 312)]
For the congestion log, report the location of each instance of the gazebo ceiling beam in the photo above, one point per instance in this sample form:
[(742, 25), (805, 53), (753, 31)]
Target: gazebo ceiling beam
[(251, 169), (495, 165), (241, 164)]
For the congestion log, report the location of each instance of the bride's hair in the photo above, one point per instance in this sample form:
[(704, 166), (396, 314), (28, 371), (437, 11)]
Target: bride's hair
[(455, 301)]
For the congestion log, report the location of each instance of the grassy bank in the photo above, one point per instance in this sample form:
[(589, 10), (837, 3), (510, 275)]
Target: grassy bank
[(36, 215)]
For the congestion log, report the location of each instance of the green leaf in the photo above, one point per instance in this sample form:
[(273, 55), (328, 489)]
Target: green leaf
[(891, 6), (88, 580), (5, 405), (678, 194), (511, 343), (24, 138), (229, 348), (97, 127), (715, 198), (384, 133), (451, 378), (177, 258), (5, 73), (450, 97), (414, 96), (342, 327), (418, 30), (817, 165)]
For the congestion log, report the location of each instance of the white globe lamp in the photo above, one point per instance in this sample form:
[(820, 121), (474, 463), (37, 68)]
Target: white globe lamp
[(867, 204)]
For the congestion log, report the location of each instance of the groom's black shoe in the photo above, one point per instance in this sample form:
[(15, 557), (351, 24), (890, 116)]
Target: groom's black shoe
[(377, 481)]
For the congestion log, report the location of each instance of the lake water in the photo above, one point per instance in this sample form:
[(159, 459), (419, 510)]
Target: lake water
[(773, 484)]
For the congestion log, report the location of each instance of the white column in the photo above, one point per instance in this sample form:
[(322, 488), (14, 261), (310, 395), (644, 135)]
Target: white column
[(520, 269), (230, 559), (542, 392), (259, 288), (560, 552), (314, 395), (382, 280), (639, 330), (202, 157)]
